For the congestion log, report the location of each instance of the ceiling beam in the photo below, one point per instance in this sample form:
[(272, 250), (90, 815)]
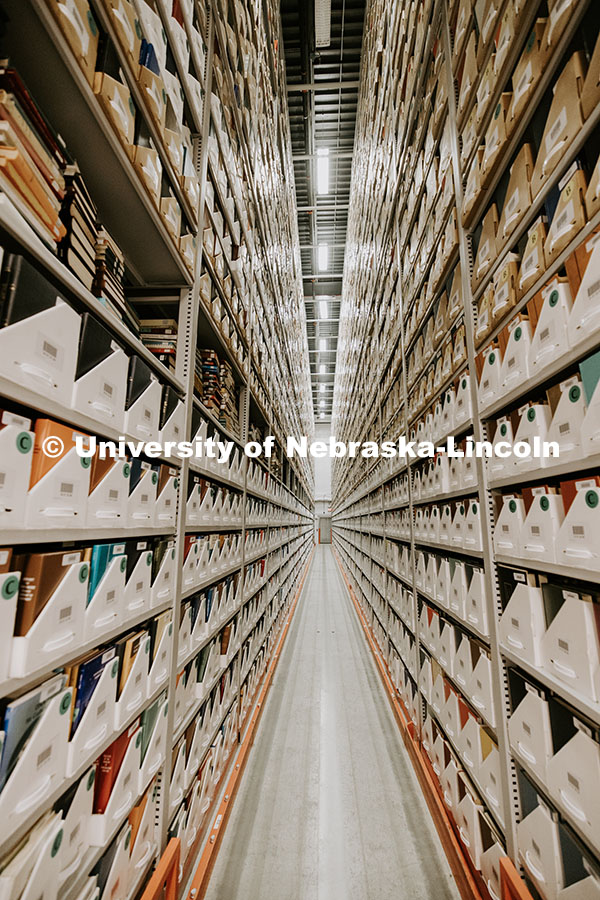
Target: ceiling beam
[(329, 207), (322, 86), (339, 154), (324, 241)]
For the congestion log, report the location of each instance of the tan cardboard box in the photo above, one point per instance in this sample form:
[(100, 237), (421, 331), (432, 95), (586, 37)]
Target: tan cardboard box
[(518, 193), (563, 122)]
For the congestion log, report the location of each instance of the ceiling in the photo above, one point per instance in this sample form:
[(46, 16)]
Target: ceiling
[(322, 99)]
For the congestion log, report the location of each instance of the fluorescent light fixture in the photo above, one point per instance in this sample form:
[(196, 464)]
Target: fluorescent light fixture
[(323, 258), (323, 309), (323, 344), (322, 23), (322, 171), (321, 403), (322, 388), (322, 415), (322, 369)]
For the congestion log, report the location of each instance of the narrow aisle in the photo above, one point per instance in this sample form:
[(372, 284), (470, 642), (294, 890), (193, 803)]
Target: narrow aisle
[(329, 807)]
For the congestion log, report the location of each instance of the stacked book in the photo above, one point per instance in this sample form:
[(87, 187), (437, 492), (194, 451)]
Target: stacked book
[(229, 412), (32, 159), (211, 387), (110, 271), (160, 337), (77, 249)]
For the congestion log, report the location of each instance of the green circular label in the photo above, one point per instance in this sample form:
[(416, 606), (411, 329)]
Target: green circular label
[(176, 483), (591, 498), (92, 23), (574, 393), (544, 503), (531, 41), (138, 29), (24, 442), (154, 478), (503, 429), (474, 509), (164, 96), (518, 333), (83, 573), (127, 839), (170, 630), (530, 414), (147, 647), (464, 383), (10, 587), (131, 107), (126, 470), (115, 669), (497, 113), (138, 739), (173, 553), (149, 559), (86, 462), (553, 299), (492, 358), (56, 843), (462, 510), (123, 563), (91, 779), (512, 505), (65, 703), (166, 709)]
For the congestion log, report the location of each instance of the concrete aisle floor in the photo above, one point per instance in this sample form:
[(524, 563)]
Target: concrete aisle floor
[(329, 807)]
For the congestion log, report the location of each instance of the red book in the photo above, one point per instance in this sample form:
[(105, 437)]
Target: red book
[(108, 765)]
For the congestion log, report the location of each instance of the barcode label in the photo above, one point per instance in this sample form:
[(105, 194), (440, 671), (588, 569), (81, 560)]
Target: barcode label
[(139, 587), (110, 596), (74, 833), (574, 782), (526, 728), (563, 645), (535, 529), (147, 414), (565, 428), (144, 498), (49, 350), (113, 495), (44, 757), (107, 390), (535, 847), (502, 294), (2, 478), (556, 129), (593, 289), (531, 261), (515, 623), (127, 779), (512, 202), (66, 489), (65, 614), (565, 219), (578, 531), (511, 362), (101, 710)]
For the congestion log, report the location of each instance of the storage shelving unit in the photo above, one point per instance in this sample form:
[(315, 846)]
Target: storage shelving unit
[(248, 306), (420, 539)]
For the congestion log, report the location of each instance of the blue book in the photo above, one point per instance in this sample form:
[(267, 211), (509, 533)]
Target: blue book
[(20, 718), (87, 681), (102, 556)]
